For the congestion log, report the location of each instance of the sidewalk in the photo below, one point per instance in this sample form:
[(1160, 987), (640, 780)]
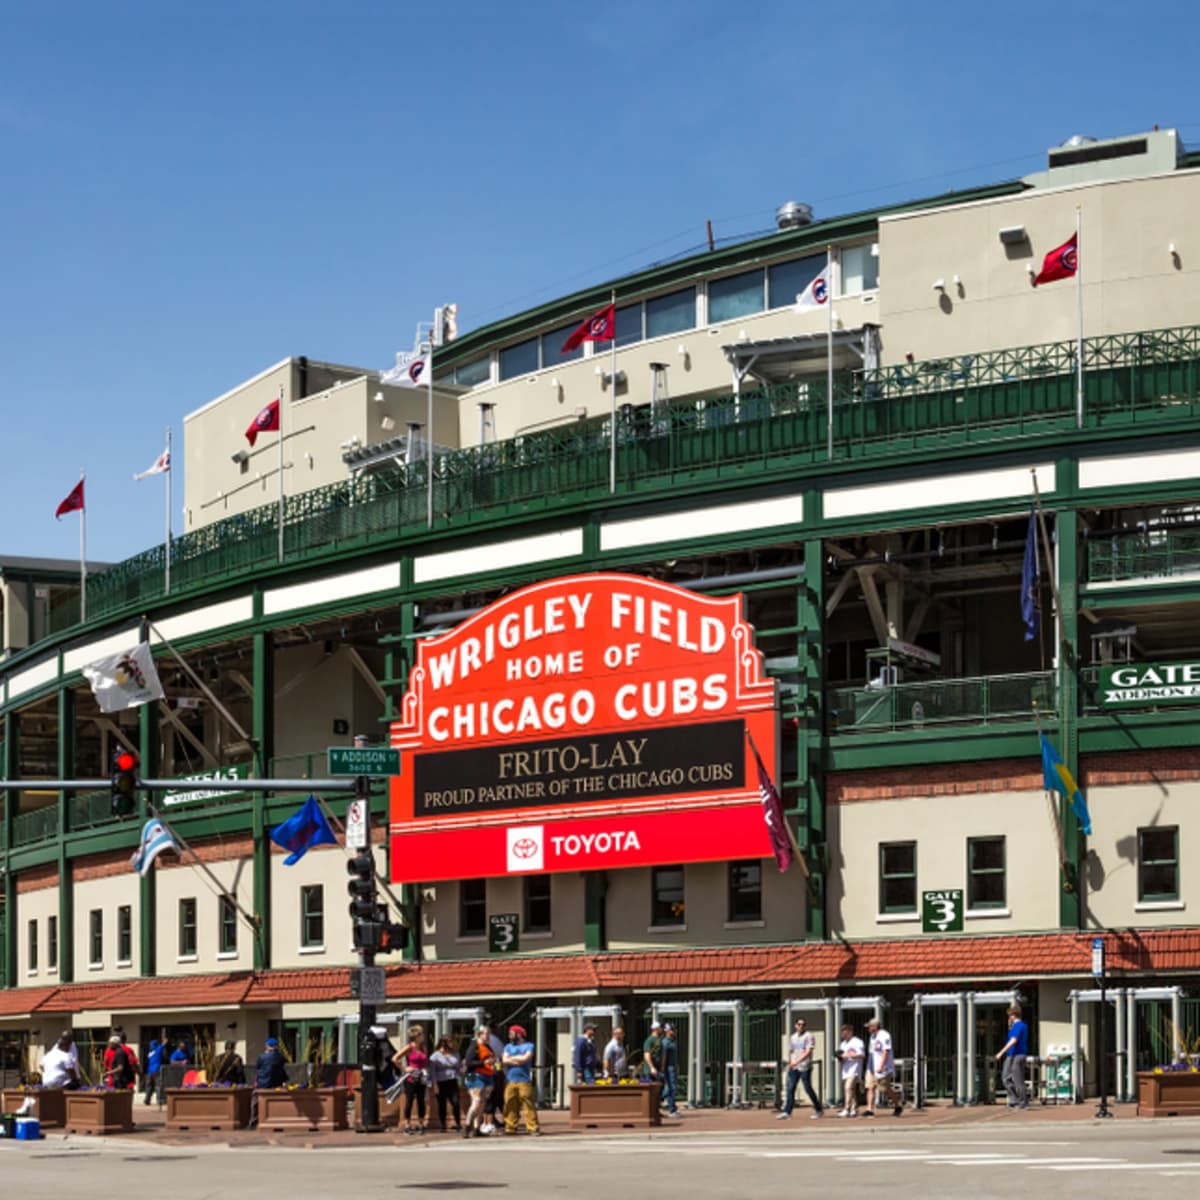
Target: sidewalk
[(151, 1126)]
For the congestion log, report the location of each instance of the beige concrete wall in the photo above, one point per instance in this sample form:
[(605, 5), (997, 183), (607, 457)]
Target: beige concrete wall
[(1130, 280), (941, 825), (315, 688), (107, 895), (1111, 872), (176, 883), (36, 906)]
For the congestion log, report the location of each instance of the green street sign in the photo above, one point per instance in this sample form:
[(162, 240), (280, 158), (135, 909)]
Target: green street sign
[(197, 790), (942, 912), (374, 760), (504, 933)]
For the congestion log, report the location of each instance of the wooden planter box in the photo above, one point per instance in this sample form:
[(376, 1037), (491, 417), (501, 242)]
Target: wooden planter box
[(304, 1108), (1171, 1094), (99, 1112), (389, 1113), (208, 1107), (607, 1105), (49, 1106)]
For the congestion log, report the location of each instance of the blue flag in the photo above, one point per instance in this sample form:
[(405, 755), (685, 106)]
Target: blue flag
[(1029, 581), (1057, 778), (302, 831)]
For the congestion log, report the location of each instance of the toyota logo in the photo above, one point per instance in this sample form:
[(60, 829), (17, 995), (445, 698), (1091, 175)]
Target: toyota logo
[(524, 848)]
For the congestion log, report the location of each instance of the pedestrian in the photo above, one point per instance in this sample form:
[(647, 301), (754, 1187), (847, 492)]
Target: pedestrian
[(850, 1055), (479, 1063), (270, 1071), (180, 1054), (801, 1048), (883, 1068), (616, 1057), (518, 1085), (494, 1119), (118, 1071), (229, 1068), (652, 1052), (154, 1059), (584, 1058), (59, 1066), (1014, 1052), (412, 1061), (670, 1070), (445, 1063)]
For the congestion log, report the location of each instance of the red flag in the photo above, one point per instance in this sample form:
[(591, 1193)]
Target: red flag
[(781, 843), (1061, 263), (600, 328), (267, 421), (73, 502)]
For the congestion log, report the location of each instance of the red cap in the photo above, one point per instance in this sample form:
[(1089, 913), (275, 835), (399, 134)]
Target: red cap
[(517, 1030)]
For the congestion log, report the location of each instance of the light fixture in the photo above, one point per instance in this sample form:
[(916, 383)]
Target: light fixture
[(241, 456), (1171, 250), (939, 285), (1029, 270), (378, 397), (387, 423), (1013, 235), (957, 281)]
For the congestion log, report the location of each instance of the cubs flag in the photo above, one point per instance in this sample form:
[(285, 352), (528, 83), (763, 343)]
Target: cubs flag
[(73, 502), (1030, 572), (411, 370), (160, 466), (781, 843), (124, 680), (155, 839), (600, 328), (1057, 778), (816, 295), (267, 421), (304, 829), (1061, 263)]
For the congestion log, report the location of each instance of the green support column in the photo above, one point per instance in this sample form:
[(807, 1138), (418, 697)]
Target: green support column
[(11, 768), (1070, 907), (810, 616), (148, 745), (595, 931), (264, 740), (66, 901)]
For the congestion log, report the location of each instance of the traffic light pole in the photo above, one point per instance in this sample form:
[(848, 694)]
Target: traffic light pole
[(368, 1046)]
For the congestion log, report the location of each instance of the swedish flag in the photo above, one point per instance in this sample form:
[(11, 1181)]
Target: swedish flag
[(1058, 779)]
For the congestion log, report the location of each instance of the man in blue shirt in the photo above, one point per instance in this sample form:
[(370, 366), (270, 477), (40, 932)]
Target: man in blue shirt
[(518, 1088), (585, 1056), (1014, 1053), (270, 1071)]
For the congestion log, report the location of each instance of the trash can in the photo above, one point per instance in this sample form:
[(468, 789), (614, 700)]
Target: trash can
[(1058, 1073)]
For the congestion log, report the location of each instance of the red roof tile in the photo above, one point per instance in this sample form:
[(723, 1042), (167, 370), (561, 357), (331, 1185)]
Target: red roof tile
[(15, 1002)]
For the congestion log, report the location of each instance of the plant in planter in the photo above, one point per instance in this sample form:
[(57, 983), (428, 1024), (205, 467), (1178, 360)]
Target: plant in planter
[(99, 1110)]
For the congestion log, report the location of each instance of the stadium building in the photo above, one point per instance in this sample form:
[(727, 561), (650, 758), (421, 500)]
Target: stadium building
[(784, 511)]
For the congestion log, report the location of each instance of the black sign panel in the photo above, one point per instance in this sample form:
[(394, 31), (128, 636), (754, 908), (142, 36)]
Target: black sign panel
[(675, 761)]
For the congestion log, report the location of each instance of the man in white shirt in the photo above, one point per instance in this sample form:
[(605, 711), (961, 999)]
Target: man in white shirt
[(883, 1068), (616, 1057), (800, 1061), (850, 1055), (60, 1064)]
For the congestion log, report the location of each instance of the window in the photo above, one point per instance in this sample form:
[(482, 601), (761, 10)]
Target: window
[(227, 926), (312, 916), (537, 903), (125, 934), (33, 946), (187, 928), (666, 899), (745, 890), (897, 877), (52, 943), (985, 872), (785, 281), (472, 373), (629, 325), (519, 359), (671, 313), (735, 296), (95, 937), (552, 346), (472, 908), (1158, 863), (860, 269)]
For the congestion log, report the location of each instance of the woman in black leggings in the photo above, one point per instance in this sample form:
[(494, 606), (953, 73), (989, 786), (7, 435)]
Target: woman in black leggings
[(413, 1064)]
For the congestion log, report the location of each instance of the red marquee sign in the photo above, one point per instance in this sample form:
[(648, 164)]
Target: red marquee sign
[(601, 718)]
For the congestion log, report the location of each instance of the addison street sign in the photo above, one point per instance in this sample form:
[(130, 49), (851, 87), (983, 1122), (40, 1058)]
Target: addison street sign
[(591, 721), (1149, 683)]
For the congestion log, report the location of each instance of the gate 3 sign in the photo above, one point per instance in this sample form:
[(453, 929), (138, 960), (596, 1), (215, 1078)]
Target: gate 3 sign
[(599, 718), (942, 912)]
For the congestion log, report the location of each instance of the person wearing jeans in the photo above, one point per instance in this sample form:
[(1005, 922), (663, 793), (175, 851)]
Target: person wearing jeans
[(800, 1060), (670, 1071), (1014, 1052)]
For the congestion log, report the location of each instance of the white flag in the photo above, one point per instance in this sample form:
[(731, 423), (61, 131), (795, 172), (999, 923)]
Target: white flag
[(155, 839), (124, 680), (409, 371), (162, 464), (816, 295)]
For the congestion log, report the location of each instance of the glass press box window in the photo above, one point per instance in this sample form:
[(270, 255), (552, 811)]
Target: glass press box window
[(666, 896), (671, 313), (520, 359), (898, 877), (735, 296), (745, 891), (785, 281), (859, 269), (1158, 863), (985, 872), (472, 908)]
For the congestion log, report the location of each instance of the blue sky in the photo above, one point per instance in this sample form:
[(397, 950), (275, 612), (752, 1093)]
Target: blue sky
[(191, 192)]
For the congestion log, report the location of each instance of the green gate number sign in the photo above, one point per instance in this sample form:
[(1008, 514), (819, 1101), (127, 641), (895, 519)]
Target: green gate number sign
[(942, 912), (504, 933)]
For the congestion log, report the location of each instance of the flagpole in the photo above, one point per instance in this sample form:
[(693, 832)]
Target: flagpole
[(829, 348), (1050, 801), (167, 489), (612, 404), (429, 428), (787, 828), (82, 556), (281, 472), (1079, 317)]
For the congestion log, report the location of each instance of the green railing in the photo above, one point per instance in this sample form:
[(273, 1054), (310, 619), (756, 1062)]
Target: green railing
[(88, 809), (313, 765), (996, 397), (981, 701), (1149, 554), (38, 825)]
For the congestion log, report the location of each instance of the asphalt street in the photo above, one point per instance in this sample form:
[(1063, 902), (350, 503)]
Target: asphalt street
[(1096, 1159)]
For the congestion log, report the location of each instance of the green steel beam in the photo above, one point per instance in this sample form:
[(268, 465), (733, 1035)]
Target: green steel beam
[(410, 894), (11, 767), (810, 647), (1067, 525), (149, 740), (66, 893), (264, 751)]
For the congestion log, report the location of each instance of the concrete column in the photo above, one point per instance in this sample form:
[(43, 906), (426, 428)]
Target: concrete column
[(1077, 1077)]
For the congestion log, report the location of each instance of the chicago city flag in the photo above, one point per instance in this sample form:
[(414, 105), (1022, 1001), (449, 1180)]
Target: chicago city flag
[(155, 839)]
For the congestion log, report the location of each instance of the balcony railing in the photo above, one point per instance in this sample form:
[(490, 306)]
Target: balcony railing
[(1128, 379), (85, 810), (983, 701), (38, 825), (1152, 554)]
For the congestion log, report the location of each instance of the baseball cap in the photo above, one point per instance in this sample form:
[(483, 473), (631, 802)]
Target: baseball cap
[(272, 1041), (655, 1024), (517, 1030)]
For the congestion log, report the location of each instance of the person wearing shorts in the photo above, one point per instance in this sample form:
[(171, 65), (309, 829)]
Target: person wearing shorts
[(480, 1066)]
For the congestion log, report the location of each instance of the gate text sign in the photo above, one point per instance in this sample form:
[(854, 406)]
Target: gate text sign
[(1148, 683)]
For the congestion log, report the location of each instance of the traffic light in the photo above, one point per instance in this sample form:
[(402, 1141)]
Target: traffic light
[(124, 782), (393, 937), (362, 886)]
